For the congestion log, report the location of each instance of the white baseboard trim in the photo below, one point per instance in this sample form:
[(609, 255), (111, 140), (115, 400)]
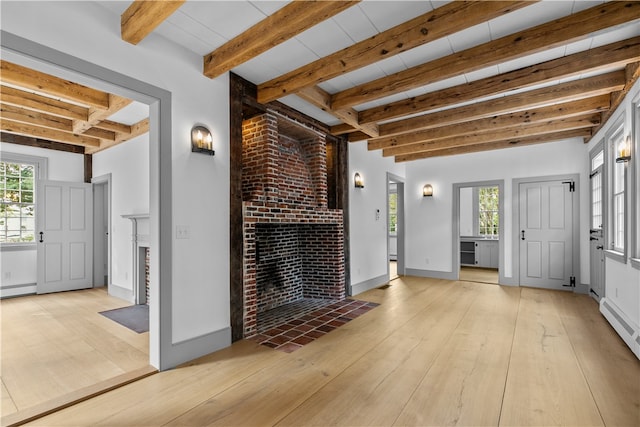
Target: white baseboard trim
[(447, 275), (628, 331), (193, 348), (358, 288), (122, 293), (17, 290)]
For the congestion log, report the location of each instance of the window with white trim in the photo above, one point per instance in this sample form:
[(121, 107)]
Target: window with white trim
[(618, 195), (18, 175), (488, 211)]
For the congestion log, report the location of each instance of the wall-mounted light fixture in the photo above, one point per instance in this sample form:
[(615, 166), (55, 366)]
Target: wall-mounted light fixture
[(624, 150), (427, 190), (201, 140), (358, 181)]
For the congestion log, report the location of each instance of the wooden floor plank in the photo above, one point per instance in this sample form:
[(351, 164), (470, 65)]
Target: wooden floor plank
[(613, 373), (545, 385), (465, 385)]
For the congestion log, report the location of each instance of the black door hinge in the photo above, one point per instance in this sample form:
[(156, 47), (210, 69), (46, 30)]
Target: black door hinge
[(572, 282), (572, 185)]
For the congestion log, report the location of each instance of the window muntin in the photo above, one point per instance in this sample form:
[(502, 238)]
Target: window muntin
[(17, 205), (597, 182), (488, 211)]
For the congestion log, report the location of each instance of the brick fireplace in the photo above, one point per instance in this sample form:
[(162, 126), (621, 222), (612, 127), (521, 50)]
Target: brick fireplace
[(293, 243)]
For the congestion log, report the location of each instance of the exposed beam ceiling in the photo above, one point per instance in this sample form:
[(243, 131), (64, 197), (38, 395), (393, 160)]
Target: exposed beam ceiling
[(47, 108)]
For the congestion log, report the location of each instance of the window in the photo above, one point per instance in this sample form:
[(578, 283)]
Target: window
[(488, 213), (618, 199), (393, 213), (18, 175), (597, 162)]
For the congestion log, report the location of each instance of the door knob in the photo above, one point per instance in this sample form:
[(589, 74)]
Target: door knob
[(599, 247)]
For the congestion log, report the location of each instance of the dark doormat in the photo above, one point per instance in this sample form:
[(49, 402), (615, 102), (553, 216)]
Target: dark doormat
[(135, 317)]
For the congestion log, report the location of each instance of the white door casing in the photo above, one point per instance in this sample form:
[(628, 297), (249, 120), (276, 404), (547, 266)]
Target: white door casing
[(546, 234), (64, 233)]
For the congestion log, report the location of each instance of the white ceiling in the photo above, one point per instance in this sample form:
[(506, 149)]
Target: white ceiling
[(203, 26)]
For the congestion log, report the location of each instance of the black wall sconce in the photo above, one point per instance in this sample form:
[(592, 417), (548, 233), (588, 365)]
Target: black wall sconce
[(624, 150), (201, 140), (358, 181), (427, 190)]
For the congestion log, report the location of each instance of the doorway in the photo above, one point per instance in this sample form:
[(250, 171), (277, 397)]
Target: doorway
[(596, 229), (546, 231), (478, 230), (395, 227), (101, 231)]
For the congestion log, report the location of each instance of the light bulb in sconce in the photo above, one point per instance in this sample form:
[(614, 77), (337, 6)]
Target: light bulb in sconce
[(427, 190), (358, 181), (624, 150), (201, 140)]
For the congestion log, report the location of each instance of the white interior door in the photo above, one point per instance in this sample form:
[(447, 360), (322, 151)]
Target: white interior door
[(64, 214), (546, 235)]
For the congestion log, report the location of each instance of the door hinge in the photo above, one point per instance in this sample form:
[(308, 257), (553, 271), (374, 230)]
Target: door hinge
[(572, 185), (572, 282)]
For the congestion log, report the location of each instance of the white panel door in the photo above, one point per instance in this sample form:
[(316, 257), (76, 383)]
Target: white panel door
[(546, 235), (64, 235)]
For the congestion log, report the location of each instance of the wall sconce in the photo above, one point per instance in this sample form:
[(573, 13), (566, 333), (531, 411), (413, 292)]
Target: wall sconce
[(358, 181), (427, 190), (624, 150), (201, 140)]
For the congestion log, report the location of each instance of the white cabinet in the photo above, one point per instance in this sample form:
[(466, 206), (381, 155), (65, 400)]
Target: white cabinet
[(487, 253), (479, 253)]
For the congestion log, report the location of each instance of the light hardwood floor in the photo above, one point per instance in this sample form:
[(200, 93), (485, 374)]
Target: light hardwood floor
[(434, 352), (58, 345), (477, 274)]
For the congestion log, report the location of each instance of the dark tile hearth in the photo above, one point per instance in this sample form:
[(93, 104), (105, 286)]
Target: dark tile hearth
[(289, 327)]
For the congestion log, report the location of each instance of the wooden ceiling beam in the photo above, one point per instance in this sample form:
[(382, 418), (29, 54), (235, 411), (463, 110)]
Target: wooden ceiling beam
[(632, 73), (285, 23), (25, 129), (596, 104), (497, 145), (23, 115), (541, 37), (137, 129), (563, 92), (54, 86), (433, 25), (551, 126), (142, 17), (40, 143), (96, 115), (33, 101), (113, 126), (610, 57), (320, 98)]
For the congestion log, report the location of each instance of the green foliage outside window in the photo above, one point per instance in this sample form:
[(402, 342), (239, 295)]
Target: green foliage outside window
[(488, 198), (17, 209), (393, 212)]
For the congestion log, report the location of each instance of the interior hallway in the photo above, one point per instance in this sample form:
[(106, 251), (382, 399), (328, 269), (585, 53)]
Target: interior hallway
[(435, 352)]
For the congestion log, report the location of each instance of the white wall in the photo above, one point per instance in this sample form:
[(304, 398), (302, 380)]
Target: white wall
[(368, 234), (622, 279), (128, 164), (466, 211), (429, 220), (19, 267), (200, 190)]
